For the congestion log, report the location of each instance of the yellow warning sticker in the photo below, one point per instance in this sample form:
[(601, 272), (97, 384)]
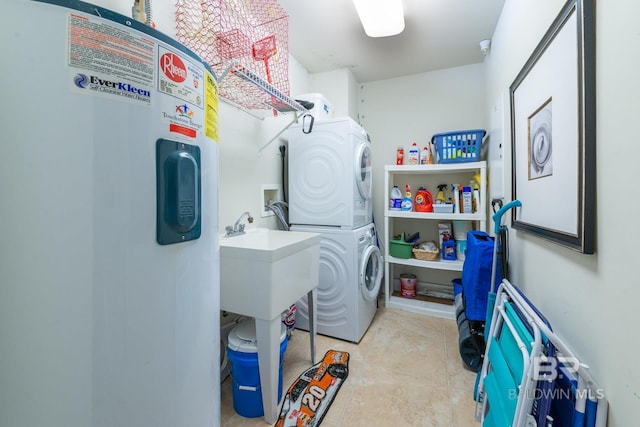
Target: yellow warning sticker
[(211, 107)]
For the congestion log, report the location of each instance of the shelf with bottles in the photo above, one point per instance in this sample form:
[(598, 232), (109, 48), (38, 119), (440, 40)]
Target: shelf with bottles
[(439, 264), (436, 168), (477, 216), (431, 177), (426, 224), (403, 253)]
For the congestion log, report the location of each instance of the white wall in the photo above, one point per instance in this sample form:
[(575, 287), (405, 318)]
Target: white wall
[(398, 112), (242, 169), (340, 88), (591, 300)]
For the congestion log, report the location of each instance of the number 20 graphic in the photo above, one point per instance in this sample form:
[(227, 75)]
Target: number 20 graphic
[(313, 398)]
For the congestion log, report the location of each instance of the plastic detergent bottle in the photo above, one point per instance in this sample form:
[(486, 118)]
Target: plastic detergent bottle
[(448, 250), (423, 202), (425, 156), (476, 200), (467, 206), (395, 199), (407, 202), (414, 155), (399, 156)]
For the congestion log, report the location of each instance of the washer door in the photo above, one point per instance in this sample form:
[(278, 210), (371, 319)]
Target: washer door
[(363, 171), (371, 273)]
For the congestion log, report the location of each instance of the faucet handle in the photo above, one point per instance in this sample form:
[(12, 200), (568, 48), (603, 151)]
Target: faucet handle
[(228, 229), (241, 228)]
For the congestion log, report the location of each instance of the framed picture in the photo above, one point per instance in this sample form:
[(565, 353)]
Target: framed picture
[(553, 138)]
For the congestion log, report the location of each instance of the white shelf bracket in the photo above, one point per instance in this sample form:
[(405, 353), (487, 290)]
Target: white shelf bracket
[(280, 102)]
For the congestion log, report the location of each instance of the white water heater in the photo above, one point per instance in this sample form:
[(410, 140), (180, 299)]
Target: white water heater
[(109, 264)]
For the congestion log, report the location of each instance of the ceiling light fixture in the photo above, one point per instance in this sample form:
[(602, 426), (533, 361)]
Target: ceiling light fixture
[(380, 18)]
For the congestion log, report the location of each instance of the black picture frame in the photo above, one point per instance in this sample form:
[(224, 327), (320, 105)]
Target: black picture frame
[(553, 133)]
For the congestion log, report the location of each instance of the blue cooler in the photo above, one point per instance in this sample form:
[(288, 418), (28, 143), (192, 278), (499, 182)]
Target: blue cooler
[(242, 351)]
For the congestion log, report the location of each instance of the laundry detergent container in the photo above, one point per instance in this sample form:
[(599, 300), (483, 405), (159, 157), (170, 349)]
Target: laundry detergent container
[(242, 352)]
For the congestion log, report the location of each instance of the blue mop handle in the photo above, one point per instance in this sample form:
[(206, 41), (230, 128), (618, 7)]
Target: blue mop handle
[(497, 217)]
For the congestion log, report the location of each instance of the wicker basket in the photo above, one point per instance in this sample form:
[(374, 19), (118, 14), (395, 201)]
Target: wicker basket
[(424, 255)]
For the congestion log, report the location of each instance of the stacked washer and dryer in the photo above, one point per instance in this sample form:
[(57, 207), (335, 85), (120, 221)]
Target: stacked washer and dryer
[(330, 187)]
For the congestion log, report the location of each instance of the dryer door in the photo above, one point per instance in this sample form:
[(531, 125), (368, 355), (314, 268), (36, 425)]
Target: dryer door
[(363, 171), (371, 273)]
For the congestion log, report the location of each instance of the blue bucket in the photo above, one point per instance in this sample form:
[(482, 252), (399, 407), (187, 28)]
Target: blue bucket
[(242, 351)]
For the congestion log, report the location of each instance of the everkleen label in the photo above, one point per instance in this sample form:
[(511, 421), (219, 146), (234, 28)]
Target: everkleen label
[(109, 60), (120, 86), (106, 86)]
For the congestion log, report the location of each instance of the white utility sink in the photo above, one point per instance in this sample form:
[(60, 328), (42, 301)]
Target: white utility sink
[(263, 272)]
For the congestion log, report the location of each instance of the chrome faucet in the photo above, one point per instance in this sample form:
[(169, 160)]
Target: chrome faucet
[(238, 228)]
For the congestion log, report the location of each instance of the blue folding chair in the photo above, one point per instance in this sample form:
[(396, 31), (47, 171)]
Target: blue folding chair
[(506, 385)]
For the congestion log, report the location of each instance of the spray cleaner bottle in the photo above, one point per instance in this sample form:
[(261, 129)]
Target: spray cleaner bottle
[(456, 197), (440, 196)]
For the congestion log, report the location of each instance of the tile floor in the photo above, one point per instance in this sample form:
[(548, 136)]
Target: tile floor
[(406, 371)]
